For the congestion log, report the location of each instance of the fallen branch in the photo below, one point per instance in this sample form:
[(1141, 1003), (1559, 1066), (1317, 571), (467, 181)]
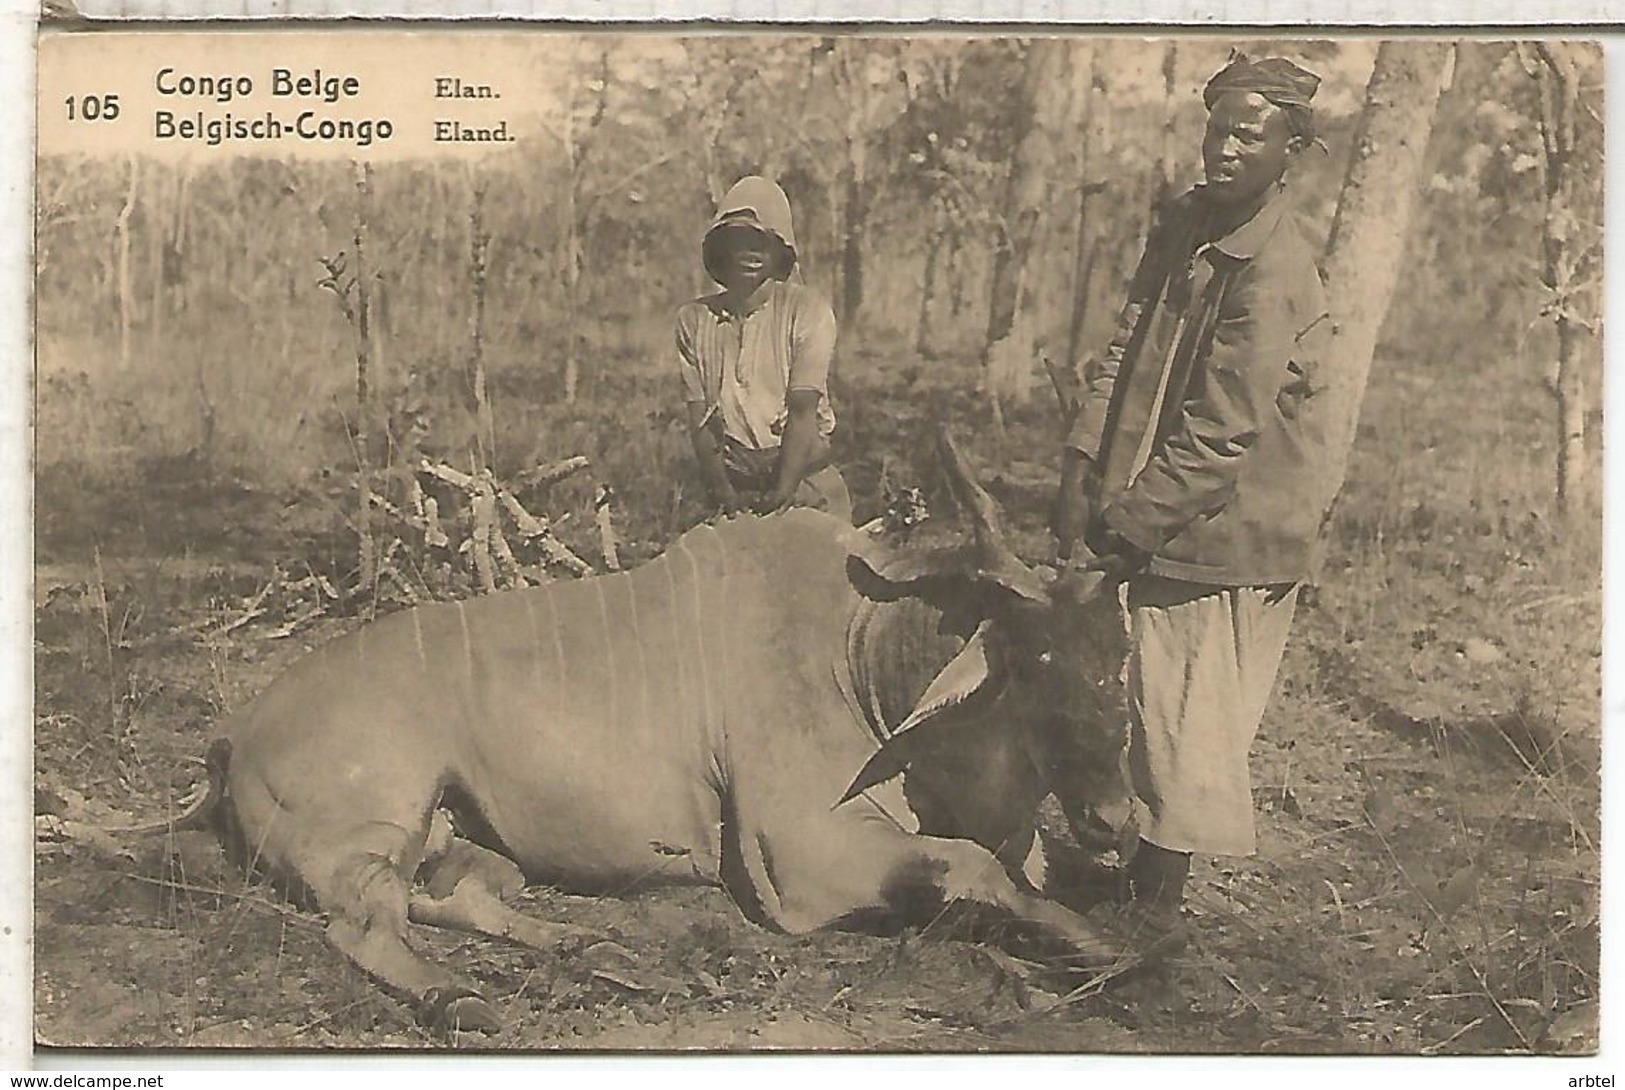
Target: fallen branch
[(252, 609), (603, 509), (486, 529), (449, 475), (553, 474), (557, 552), (529, 525)]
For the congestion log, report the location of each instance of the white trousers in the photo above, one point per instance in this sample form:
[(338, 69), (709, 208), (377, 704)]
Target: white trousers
[(1202, 665)]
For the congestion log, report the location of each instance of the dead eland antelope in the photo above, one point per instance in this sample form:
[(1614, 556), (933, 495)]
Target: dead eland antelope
[(735, 712)]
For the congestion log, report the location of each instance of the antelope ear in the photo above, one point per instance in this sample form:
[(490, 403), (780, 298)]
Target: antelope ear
[(885, 576), (967, 674), (943, 577), (970, 680)]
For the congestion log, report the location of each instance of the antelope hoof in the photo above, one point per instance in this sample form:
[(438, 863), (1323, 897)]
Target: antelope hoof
[(1102, 952), (458, 1010)]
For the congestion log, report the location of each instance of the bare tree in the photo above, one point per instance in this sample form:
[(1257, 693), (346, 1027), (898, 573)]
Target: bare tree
[(478, 254), (1373, 219), (363, 389), (1568, 268), (1094, 132), (168, 246), (121, 260), (1162, 184), (1008, 353), (351, 284), (715, 81), (576, 134), (871, 85), (940, 226)]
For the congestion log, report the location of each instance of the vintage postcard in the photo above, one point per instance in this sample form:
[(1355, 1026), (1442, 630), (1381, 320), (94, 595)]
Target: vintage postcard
[(952, 542)]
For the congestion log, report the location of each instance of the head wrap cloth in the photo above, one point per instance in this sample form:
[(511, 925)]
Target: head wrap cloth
[(1276, 80), (759, 204)]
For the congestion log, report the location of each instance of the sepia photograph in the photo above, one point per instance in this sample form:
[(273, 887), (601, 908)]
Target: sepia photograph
[(842, 542)]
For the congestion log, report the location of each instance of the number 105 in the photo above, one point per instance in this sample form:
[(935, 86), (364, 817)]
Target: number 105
[(92, 107)]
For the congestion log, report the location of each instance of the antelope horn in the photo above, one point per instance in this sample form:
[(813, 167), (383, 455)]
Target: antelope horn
[(998, 561)]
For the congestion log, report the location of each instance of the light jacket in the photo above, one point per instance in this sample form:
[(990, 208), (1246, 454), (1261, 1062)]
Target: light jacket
[(1207, 418)]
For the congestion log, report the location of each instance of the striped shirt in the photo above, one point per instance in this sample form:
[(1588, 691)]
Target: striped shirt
[(744, 366)]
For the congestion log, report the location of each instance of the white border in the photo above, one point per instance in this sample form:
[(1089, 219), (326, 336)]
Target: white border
[(1129, 13), (16, 532), (16, 572)]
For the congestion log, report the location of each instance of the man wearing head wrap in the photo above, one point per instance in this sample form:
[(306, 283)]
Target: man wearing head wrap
[(1197, 467), (754, 359)]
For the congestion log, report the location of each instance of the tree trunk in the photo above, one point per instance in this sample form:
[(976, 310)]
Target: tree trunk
[(1572, 402), (853, 221), (367, 552), (168, 250), (155, 270), (1007, 353), (1557, 76), (1372, 222), (712, 108), (577, 149), (121, 235), (928, 281), (175, 249), (1162, 185), (572, 260), (382, 331), (479, 243), (1092, 148)]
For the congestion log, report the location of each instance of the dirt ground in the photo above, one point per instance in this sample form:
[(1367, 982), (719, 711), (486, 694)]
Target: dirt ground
[(1426, 777), (1425, 882)]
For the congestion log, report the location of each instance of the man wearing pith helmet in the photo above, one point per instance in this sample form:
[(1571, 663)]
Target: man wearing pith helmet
[(1196, 467)]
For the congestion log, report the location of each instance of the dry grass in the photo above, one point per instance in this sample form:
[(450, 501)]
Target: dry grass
[(1426, 882), (1426, 779)]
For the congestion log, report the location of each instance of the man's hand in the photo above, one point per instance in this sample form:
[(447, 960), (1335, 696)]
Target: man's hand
[(1107, 543), (1073, 510), (1069, 519), (796, 452), (775, 501), (729, 502), (705, 431)]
